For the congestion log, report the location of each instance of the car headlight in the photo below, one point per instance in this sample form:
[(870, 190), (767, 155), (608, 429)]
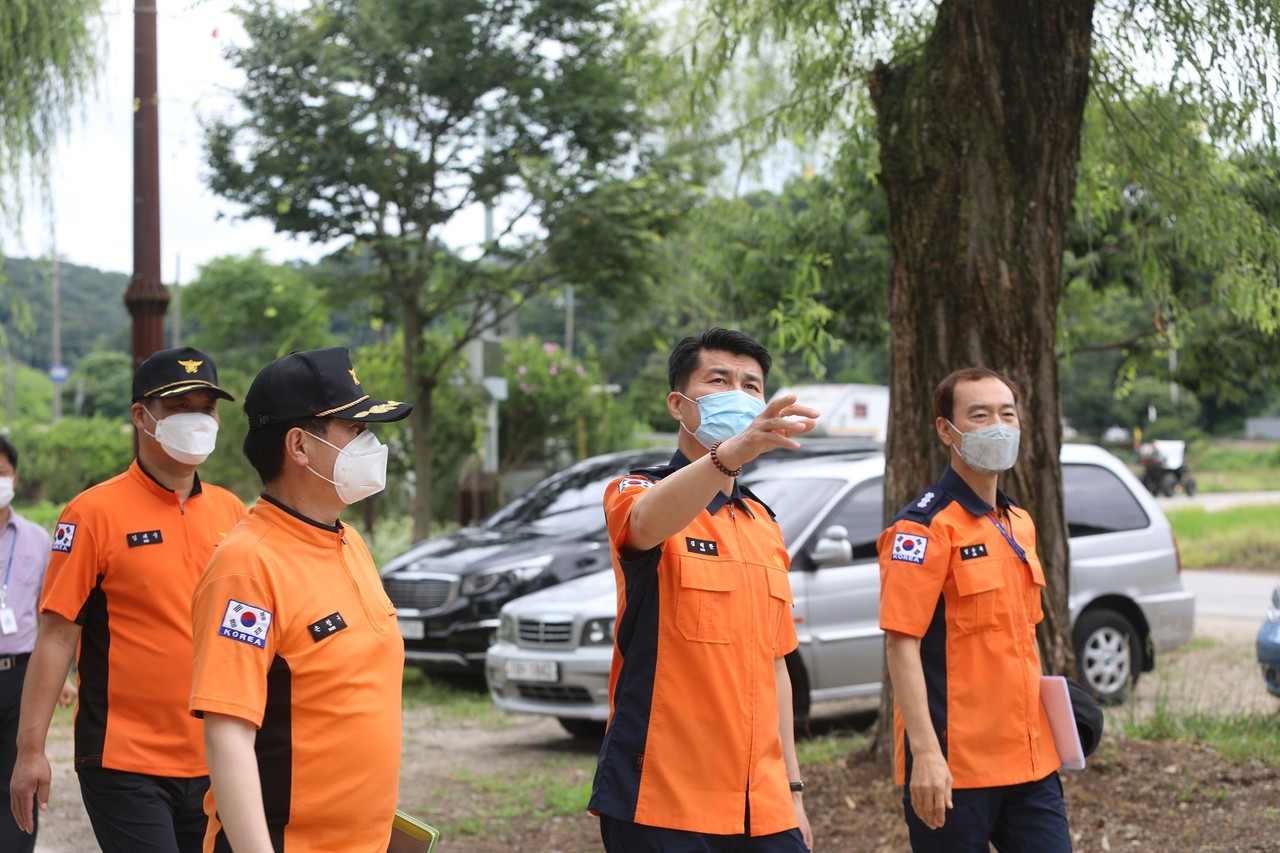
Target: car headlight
[(598, 632), (505, 576), (1273, 613), (506, 629)]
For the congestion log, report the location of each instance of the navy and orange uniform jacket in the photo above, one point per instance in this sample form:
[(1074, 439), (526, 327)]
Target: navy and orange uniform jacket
[(693, 728), (965, 578)]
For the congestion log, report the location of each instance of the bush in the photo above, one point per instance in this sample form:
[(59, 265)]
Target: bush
[(60, 460)]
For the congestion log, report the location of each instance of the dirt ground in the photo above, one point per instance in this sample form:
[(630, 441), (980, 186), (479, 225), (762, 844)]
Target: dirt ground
[(481, 781)]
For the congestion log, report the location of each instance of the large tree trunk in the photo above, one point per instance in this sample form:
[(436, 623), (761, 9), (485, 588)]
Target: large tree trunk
[(979, 136)]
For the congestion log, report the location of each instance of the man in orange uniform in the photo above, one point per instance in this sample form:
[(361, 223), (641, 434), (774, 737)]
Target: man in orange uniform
[(960, 588), (699, 755), (298, 655), (126, 557)]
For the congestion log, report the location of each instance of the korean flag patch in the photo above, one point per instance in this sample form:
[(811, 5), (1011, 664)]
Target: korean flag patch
[(246, 623), (628, 482), (62, 537), (909, 548)]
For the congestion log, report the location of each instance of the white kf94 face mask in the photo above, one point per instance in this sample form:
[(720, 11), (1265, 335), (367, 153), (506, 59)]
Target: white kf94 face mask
[(188, 437), (360, 469)]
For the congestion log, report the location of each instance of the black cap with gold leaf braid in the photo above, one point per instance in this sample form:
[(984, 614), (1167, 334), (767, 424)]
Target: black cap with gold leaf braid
[(177, 371), (318, 383)]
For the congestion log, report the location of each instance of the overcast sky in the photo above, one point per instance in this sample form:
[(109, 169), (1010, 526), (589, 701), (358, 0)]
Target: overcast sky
[(92, 168)]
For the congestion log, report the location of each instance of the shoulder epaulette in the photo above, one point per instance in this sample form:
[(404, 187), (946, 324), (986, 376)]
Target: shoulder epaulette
[(925, 507)]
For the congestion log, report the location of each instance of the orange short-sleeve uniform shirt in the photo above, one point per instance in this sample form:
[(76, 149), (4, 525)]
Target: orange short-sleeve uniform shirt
[(295, 635), (965, 578), (693, 727), (126, 557)]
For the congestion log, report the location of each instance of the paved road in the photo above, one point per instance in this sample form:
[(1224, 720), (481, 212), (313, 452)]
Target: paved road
[(1215, 501), (1231, 595)]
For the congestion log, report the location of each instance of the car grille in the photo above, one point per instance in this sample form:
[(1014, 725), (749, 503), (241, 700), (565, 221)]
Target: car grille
[(534, 632), (425, 594), (555, 693)]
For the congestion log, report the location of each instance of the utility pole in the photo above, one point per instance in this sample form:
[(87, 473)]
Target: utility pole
[(146, 297), (56, 371)]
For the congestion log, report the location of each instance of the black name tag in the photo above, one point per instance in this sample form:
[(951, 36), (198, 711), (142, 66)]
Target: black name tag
[(701, 546), (326, 627), (972, 552), (146, 537)]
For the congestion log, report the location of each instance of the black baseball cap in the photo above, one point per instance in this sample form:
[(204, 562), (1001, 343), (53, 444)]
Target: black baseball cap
[(174, 372), (318, 383)]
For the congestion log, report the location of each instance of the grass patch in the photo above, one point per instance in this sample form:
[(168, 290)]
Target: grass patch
[(453, 700), (562, 790), (827, 747), (1242, 737), (1244, 537)]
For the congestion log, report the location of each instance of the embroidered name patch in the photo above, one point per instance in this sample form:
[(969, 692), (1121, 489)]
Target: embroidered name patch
[(701, 546), (628, 482), (970, 552), (326, 627), (62, 537), (245, 623), (147, 537), (909, 548)]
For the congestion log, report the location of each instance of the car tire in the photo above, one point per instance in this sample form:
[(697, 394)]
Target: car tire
[(1109, 653), (583, 729)]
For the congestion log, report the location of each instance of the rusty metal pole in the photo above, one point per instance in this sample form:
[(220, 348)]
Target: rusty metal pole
[(146, 297)]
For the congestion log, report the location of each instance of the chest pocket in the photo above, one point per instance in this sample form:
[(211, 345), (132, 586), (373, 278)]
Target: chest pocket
[(704, 604), (780, 601), (978, 589)]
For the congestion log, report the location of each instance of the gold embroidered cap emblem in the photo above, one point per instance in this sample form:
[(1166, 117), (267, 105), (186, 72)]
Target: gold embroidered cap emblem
[(352, 371), (380, 409), (190, 366)]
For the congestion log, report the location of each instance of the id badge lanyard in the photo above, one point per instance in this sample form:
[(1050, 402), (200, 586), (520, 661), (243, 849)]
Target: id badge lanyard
[(1008, 536), (8, 622)]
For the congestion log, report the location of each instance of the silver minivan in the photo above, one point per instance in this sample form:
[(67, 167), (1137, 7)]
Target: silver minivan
[(1127, 602)]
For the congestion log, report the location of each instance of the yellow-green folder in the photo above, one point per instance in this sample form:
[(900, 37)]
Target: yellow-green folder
[(410, 835)]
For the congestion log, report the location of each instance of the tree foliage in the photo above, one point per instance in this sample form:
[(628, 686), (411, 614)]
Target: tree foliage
[(379, 121), (48, 56), (980, 110)]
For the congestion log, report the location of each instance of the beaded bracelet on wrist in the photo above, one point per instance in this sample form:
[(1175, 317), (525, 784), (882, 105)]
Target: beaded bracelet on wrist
[(715, 460)]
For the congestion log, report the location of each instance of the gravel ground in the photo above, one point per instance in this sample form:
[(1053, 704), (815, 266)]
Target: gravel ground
[(1215, 674)]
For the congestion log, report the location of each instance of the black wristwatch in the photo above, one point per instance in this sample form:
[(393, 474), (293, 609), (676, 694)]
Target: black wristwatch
[(797, 787)]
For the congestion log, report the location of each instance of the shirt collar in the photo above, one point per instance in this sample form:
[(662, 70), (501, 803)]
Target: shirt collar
[(955, 486), (720, 500), (149, 480), (329, 528)]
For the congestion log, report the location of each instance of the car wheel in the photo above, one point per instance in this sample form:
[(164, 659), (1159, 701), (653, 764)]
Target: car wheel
[(1109, 654), (1168, 484), (584, 729)]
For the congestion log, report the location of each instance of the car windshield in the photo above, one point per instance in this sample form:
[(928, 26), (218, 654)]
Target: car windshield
[(796, 502), (571, 501)]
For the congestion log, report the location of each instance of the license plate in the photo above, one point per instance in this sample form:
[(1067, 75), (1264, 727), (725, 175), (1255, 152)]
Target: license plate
[(412, 629), (532, 670)]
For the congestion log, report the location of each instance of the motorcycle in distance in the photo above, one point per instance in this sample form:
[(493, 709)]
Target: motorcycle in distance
[(1164, 467)]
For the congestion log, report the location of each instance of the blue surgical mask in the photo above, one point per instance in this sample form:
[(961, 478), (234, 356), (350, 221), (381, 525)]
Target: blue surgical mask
[(723, 415)]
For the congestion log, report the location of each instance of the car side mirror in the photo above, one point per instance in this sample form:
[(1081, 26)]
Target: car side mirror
[(832, 548)]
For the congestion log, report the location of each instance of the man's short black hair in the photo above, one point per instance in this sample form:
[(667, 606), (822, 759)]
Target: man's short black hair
[(264, 448), (7, 448), (684, 358)]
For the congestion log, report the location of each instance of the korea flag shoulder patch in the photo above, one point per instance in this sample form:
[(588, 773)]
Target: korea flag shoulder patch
[(909, 548), (63, 536), (245, 623)]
